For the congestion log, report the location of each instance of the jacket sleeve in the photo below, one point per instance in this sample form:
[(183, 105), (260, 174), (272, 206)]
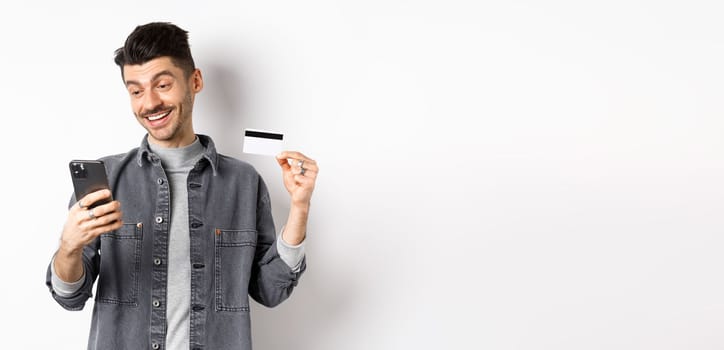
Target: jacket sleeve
[(91, 261), (272, 280)]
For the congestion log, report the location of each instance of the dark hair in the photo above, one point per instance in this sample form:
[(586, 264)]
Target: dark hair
[(153, 40)]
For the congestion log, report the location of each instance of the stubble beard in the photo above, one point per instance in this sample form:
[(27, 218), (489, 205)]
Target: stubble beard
[(177, 126)]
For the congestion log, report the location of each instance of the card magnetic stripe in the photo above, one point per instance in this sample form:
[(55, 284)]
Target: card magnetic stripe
[(264, 135)]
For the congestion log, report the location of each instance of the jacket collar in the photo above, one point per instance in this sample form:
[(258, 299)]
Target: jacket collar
[(209, 152)]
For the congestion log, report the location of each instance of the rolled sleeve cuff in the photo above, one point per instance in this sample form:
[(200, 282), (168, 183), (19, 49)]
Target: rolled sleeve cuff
[(292, 255), (62, 288)]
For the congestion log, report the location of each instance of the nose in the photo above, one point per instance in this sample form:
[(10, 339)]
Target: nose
[(151, 100)]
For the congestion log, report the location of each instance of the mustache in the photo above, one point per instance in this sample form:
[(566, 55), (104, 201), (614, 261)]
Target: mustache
[(155, 110)]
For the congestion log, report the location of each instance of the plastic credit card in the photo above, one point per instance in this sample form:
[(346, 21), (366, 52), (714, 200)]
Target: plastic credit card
[(263, 142)]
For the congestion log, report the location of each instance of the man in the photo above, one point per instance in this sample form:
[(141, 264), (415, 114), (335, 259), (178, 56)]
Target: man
[(189, 235)]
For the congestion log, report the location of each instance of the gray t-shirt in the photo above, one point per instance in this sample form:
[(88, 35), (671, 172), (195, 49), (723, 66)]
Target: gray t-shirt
[(177, 163)]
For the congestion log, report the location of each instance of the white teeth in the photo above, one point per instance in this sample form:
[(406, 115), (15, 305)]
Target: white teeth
[(157, 117)]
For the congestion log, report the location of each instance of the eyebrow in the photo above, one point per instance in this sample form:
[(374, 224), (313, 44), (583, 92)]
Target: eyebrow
[(154, 78)]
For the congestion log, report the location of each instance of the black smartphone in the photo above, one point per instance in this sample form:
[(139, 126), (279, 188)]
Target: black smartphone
[(89, 176)]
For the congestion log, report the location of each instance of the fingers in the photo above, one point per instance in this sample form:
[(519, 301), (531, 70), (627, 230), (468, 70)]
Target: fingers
[(105, 213), (106, 217), (283, 163), (92, 228), (300, 164), (310, 173), (299, 175), (105, 209), (295, 158), (307, 180), (103, 224), (86, 214), (84, 224), (100, 215), (292, 154), (91, 198)]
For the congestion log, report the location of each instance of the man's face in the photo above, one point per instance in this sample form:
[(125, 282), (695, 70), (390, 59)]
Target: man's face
[(162, 99)]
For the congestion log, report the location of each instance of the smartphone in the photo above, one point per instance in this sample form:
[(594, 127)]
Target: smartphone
[(89, 176)]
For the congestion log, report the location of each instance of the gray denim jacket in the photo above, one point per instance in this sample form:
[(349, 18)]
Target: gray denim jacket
[(233, 255)]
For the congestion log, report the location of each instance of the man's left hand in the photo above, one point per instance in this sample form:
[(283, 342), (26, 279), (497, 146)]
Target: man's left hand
[(299, 173)]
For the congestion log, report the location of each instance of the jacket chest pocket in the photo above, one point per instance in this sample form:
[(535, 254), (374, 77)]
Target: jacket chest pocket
[(120, 254), (233, 258)]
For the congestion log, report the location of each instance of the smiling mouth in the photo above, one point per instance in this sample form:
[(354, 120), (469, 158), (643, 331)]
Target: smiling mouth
[(158, 116)]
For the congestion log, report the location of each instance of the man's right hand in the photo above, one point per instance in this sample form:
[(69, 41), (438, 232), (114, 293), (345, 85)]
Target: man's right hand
[(81, 227)]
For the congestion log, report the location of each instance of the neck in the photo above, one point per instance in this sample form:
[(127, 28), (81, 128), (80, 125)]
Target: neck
[(185, 140)]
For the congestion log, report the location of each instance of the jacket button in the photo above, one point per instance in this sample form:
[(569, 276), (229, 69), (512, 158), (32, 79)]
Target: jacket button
[(159, 219), (159, 181), (156, 303), (198, 307), (157, 261), (198, 266), (155, 346)]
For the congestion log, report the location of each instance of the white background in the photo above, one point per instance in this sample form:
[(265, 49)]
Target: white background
[(494, 175)]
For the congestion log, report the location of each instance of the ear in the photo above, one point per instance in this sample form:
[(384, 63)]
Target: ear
[(197, 81)]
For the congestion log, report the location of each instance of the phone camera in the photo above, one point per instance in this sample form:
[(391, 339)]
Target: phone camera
[(78, 170)]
